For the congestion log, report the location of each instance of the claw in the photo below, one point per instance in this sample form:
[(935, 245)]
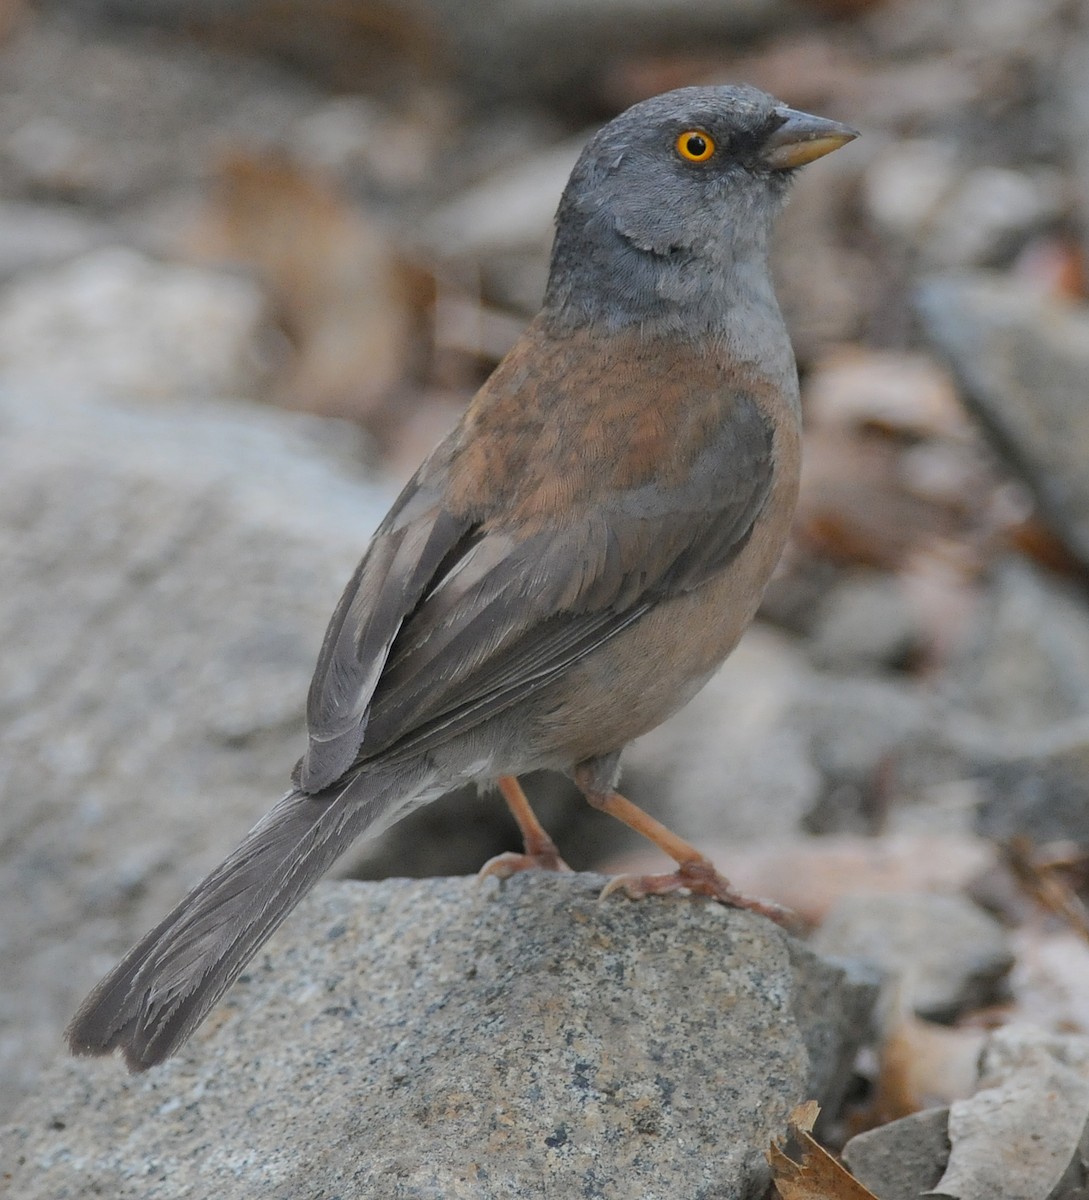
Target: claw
[(503, 866)]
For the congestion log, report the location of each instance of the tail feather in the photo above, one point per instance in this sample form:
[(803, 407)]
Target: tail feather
[(165, 986)]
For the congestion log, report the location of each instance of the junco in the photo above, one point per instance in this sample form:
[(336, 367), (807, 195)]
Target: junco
[(567, 568)]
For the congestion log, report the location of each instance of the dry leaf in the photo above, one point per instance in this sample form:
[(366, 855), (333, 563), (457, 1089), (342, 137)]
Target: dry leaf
[(1055, 264), (855, 507), (924, 1065), (892, 391), (347, 301), (1020, 1133), (1041, 876), (816, 1175)]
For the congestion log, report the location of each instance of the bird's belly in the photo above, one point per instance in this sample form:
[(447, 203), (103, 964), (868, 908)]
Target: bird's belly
[(645, 674)]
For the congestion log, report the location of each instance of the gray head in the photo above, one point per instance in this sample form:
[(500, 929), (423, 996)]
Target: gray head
[(666, 218)]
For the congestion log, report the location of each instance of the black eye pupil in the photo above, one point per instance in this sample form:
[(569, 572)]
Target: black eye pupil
[(696, 146)]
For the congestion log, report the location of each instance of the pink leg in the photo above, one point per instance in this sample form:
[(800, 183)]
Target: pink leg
[(694, 873), (540, 850)]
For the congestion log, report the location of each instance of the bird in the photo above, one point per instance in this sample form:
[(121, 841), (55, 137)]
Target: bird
[(566, 569)]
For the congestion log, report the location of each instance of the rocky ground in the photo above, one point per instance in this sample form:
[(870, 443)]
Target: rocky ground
[(251, 267)]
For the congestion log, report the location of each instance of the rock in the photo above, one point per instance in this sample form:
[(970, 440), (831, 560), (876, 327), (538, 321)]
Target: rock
[(943, 953), (168, 576), (348, 138), (511, 210), (1024, 664), (159, 112), (918, 191), (991, 213), (1022, 1133), (37, 235), (875, 741), (117, 322), (499, 232), (944, 810), (771, 746), (866, 623), (1021, 361), (534, 1040), (561, 52), (906, 182), (1043, 792), (1049, 983), (1071, 110), (731, 763), (904, 1159)]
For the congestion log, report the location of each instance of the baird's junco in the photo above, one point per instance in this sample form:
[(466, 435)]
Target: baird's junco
[(571, 563)]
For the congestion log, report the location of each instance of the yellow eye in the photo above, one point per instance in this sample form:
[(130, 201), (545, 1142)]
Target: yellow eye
[(695, 146)]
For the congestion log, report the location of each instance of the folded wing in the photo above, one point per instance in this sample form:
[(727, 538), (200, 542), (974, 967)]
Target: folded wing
[(450, 621)]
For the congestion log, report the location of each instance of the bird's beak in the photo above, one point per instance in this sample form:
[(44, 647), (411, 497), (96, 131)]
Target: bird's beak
[(802, 138)]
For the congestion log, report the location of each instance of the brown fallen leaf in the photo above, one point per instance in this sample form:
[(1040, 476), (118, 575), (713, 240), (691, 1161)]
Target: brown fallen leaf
[(855, 507), (1032, 538), (894, 392), (813, 1174), (349, 303), (1055, 263), (923, 1065), (1040, 873)]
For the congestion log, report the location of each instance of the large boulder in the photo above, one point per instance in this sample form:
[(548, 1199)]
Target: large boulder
[(167, 574), (448, 1038)]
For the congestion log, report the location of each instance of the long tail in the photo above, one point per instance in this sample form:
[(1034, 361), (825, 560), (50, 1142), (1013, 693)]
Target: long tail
[(165, 986)]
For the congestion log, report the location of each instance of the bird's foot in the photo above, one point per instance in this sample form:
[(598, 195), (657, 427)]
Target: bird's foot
[(503, 866), (699, 878)]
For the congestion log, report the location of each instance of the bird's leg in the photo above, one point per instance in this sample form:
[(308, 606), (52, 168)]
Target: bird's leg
[(540, 849), (695, 873)]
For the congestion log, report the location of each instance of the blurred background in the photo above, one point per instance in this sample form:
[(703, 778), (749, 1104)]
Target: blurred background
[(255, 255)]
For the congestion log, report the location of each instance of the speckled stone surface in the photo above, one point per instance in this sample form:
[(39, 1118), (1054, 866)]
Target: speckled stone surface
[(447, 1038), (168, 570)]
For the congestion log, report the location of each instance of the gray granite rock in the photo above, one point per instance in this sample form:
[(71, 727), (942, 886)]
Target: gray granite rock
[(904, 1159), (116, 321), (168, 572), (1022, 360), (942, 954), (1024, 665), (1043, 792), (449, 1039)]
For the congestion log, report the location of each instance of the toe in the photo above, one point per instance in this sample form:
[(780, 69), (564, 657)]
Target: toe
[(503, 866), (699, 878)]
